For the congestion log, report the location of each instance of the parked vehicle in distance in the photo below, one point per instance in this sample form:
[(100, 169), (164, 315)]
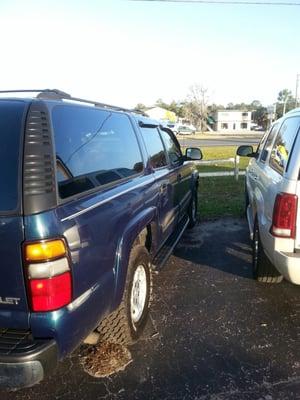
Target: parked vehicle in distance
[(185, 130), (272, 191), (257, 128), (93, 199)]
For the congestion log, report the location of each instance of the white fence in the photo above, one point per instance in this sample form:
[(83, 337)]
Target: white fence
[(235, 172)]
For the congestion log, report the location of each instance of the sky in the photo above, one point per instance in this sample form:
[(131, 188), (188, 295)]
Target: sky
[(127, 52)]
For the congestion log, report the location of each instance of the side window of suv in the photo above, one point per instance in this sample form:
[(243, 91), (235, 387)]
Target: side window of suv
[(268, 143), (154, 147), (93, 148), (172, 147), (283, 144)]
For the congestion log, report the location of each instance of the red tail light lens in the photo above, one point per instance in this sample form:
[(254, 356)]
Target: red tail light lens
[(48, 274), (50, 294), (284, 216)]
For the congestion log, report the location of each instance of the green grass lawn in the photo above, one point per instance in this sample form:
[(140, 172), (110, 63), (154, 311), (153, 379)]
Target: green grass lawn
[(221, 196)]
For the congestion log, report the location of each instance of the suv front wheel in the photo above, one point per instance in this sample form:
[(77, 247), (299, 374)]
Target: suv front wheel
[(263, 269), (126, 324)]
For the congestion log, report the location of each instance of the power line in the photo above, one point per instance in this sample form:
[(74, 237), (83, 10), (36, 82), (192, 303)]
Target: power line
[(238, 2)]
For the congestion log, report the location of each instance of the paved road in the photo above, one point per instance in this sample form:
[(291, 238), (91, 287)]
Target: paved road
[(190, 142), (220, 335)]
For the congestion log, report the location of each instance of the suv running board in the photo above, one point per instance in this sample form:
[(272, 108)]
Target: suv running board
[(167, 249)]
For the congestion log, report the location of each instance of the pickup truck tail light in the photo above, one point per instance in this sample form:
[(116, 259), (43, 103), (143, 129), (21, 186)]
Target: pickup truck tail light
[(284, 216), (48, 274)]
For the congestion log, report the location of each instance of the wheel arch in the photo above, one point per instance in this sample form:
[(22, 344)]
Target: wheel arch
[(141, 230)]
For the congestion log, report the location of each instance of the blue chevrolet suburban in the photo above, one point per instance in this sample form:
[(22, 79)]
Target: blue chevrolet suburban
[(93, 200)]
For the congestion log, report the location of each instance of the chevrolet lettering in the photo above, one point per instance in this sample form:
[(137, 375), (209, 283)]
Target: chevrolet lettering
[(9, 300)]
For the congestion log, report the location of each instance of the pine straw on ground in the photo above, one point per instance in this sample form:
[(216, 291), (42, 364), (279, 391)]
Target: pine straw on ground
[(105, 359)]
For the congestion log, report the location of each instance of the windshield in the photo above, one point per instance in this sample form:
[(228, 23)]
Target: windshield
[(11, 115)]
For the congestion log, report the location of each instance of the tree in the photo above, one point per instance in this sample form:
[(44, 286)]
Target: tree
[(285, 102), (140, 107), (176, 107), (260, 116), (196, 106), (170, 116), (212, 108), (256, 104), (161, 103), (239, 106)]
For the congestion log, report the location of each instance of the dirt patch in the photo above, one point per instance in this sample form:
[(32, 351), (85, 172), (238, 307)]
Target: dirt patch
[(105, 359)]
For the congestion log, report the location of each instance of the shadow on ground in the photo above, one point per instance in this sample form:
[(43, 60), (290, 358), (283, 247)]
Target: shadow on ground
[(222, 244)]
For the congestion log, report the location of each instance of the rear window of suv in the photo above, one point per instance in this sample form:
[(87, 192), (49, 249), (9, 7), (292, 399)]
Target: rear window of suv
[(11, 121), (93, 148)]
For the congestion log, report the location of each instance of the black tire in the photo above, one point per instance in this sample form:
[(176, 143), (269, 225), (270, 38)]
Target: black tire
[(193, 209), (119, 326), (263, 270)]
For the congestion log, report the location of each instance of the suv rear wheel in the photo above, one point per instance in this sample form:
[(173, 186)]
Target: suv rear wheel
[(126, 324), (263, 269)]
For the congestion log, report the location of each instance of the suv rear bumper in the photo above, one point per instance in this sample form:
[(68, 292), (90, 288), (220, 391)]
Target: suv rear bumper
[(23, 360), (288, 264)]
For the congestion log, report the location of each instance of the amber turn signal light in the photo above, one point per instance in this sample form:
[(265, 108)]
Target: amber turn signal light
[(42, 251)]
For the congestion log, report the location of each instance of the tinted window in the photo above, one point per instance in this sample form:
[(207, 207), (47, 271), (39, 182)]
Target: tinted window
[(172, 147), (283, 144), (93, 148), (267, 147), (261, 143), (11, 115), (155, 147)]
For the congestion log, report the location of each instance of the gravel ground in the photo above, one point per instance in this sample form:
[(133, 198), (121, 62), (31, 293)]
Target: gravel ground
[(214, 333)]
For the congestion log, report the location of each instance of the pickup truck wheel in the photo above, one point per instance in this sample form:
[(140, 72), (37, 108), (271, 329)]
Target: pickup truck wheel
[(192, 212), (126, 324), (263, 269)]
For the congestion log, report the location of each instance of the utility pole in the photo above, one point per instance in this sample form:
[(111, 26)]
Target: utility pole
[(296, 92)]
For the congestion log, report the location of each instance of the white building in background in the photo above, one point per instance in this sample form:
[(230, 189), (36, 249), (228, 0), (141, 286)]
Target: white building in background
[(231, 120)]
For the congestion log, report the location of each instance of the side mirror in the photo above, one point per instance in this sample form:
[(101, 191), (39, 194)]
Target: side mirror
[(245, 151), (193, 154)]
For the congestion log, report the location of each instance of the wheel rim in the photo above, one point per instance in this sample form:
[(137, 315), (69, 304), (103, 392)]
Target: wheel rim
[(138, 294)]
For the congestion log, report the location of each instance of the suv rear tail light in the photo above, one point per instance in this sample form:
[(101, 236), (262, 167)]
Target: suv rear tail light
[(284, 216), (48, 274), (50, 294)]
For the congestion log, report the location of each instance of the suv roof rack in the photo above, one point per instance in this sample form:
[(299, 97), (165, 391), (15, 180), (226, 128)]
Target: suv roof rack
[(56, 94)]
